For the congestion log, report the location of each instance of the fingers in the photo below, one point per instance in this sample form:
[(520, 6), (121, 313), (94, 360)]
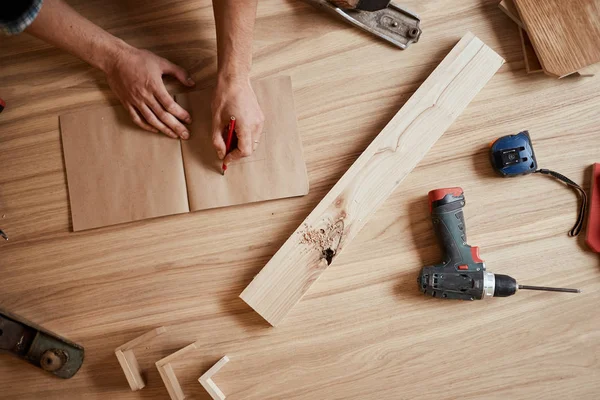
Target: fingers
[(244, 142), (257, 134), (218, 141), (236, 154), (181, 74), (244, 146), (135, 116), (154, 121), (248, 141), (168, 119), (169, 104)]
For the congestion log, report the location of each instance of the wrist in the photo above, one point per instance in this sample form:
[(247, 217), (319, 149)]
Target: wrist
[(109, 54), (228, 76)]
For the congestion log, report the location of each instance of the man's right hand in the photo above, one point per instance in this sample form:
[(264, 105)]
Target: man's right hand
[(136, 78)]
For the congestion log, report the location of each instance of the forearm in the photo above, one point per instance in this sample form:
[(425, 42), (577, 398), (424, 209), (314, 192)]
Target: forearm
[(235, 25), (60, 25)]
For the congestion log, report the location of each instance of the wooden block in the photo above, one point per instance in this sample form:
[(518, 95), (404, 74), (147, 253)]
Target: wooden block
[(146, 337), (532, 63), (590, 70), (129, 363), (207, 382), (168, 374), (509, 8), (171, 382), (379, 170), (565, 34), (131, 369)]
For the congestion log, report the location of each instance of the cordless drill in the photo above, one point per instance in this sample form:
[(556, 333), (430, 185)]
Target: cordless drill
[(462, 275)]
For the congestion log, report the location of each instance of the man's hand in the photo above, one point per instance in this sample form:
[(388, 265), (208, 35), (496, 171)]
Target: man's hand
[(235, 97), (136, 79), (134, 75)]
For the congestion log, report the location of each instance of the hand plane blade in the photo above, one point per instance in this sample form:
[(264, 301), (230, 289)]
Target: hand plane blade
[(393, 24)]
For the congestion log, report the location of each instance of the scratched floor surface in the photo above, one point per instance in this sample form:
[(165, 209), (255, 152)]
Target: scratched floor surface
[(363, 331)]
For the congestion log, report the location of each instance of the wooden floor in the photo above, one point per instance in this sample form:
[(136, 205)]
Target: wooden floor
[(363, 331)]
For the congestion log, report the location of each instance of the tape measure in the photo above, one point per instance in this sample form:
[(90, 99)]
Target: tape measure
[(513, 155)]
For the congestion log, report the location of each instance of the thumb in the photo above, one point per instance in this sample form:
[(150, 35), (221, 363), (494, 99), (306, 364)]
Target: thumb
[(181, 74)]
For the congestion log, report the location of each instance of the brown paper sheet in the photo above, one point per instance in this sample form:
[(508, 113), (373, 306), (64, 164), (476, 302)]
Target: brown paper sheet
[(275, 170), (119, 173)]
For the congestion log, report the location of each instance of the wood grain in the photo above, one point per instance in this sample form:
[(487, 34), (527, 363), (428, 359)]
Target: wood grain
[(208, 384), (129, 363), (565, 34), (400, 146), (509, 8), (167, 373), (532, 63), (364, 331)]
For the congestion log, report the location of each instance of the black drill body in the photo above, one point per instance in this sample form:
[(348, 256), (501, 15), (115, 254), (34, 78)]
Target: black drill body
[(461, 275)]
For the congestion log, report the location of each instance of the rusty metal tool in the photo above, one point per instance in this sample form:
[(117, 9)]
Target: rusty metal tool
[(383, 19), (39, 347)]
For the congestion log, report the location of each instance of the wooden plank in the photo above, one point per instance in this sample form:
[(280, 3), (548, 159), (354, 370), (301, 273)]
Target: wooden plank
[(131, 369), (565, 34), (509, 8), (532, 63), (129, 363), (590, 70), (370, 333), (207, 382), (178, 354), (379, 170), (146, 337), (171, 382), (168, 374)]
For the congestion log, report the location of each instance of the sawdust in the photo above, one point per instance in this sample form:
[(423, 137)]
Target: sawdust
[(324, 238)]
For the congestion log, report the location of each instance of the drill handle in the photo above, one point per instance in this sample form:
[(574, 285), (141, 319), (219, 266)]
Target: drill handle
[(449, 223)]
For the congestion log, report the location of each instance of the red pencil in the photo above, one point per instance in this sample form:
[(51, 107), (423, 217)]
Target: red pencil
[(228, 142)]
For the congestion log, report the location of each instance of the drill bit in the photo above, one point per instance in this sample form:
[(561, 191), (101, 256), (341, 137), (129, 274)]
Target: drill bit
[(550, 289), (4, 235)]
